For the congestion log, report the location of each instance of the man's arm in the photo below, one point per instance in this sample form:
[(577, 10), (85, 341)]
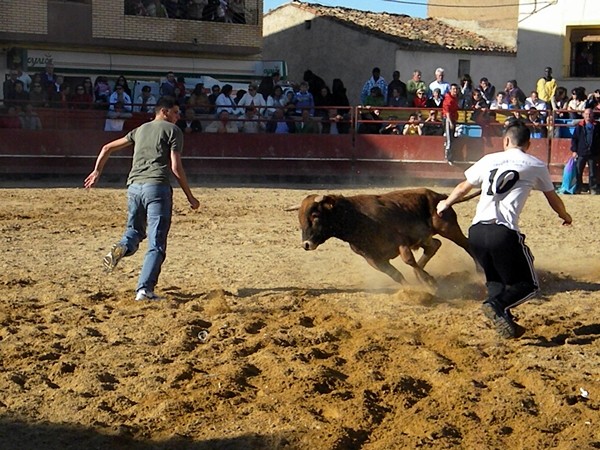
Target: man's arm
[(558, 206), (179, 173), (459, 192), (105, 153)]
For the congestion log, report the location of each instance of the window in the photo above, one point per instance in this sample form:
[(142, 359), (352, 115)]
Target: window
[(464, 67), (585, 52)]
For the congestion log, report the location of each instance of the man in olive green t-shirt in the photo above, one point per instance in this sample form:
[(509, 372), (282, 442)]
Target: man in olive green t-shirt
[(156, 154)]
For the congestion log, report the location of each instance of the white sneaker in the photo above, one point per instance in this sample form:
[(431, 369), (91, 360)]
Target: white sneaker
[(114, 256), (144, 294)]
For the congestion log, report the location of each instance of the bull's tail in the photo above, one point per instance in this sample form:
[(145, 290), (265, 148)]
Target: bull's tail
[(468, 197)]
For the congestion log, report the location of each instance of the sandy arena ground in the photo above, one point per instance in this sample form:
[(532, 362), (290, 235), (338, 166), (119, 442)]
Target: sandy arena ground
[(261, 345)]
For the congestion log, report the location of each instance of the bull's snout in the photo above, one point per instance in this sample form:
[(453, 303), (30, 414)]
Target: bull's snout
[(309, 245)]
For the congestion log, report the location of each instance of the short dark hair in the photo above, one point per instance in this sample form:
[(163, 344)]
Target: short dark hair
[(516, 130), (165, 102), (146, 89)]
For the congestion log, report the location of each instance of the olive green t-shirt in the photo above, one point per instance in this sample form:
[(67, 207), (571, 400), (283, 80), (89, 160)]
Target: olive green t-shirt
[(153, 143)]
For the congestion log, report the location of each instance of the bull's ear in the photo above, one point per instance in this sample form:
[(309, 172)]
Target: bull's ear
[(326, 202)]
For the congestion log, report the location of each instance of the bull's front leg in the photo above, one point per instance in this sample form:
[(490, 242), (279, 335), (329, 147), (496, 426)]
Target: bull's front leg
[(409, 258), (385, 267)]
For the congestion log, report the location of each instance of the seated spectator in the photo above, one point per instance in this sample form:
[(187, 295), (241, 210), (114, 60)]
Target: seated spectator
[(179, 100), (156, 9), (323, 101), (20, 96), (488, 91), (254, 99), (420, 100), (396, 100), (81, 100), (516, 105), (277, 101), (466, 92), (413, 127), (10, 119), (393, 127), (304, 100), (116, 117), (559, 102), (198, 100), (500, 101), (307, 125), (335, 123), (375, 97), (102, 92), (225, 101), (576, 105), (167, 87), (145, 101), (535, 122), (182, 94), (280, 124), (252, 122), (238, 96), (30, 119), (88, 87), (237, 9), (534, 102), (119, 96), (215, 91), (433, 124), (189, 123), (372, 112), (38, 97), (436, 99), (122, 81), (62, 97), (222, 124), (512, 90)]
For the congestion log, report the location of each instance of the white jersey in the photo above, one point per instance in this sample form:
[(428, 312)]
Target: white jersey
[(506, 179)]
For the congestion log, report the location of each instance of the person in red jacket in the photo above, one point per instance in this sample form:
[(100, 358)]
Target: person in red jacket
[(450, 117)]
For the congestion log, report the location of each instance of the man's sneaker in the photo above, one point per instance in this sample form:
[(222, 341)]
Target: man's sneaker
[(502, 320), (114, 256), (145, 294)]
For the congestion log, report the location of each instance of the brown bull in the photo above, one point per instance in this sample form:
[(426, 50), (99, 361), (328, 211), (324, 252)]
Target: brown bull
[(381, 227)]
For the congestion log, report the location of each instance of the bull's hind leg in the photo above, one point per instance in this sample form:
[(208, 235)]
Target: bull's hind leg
[(409, 258), (385, 267)]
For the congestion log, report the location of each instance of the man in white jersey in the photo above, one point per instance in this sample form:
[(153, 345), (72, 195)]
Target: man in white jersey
[(506, 179)]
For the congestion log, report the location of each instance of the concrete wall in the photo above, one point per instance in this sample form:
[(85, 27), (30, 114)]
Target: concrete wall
[(543, 41)]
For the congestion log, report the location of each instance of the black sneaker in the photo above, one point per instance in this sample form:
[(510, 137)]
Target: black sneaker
[(114, 256), (502, 320)]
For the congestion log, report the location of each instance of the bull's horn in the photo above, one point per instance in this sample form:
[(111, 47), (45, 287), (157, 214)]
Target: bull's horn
[(292, 208), (318, 199)]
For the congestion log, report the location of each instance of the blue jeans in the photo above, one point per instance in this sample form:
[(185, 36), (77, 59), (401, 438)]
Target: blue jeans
[(150, 209)]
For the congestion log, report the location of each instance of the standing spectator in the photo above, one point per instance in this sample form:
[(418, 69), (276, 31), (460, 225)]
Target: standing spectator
[(340, 99), (375, 80), (322, 103), (189, 124), (81, 99), (315, 82), (222, 124), (214, 93), (254, 99), (119, 95), (466, 92), (585, 145), (488, 91), (8, 87), (198, 100), (413, 85), (506, 179), (398, 84), (157, 147), (396, 100), (267, 85), (180, 83), (167, 87), (102, 92), (304, 100), (546, 86), (30, 119), (48, 77), (88, 87), (450, 118), (25, 78), (439, 83), (122, 81), (225, 101), (145, 102), (20, 96)]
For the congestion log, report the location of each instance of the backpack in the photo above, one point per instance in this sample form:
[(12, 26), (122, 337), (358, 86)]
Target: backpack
[(569, 180)]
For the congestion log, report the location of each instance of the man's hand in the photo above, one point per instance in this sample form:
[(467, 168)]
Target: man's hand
[(441, 207), (194, 203), (91, 179), (567, 220)]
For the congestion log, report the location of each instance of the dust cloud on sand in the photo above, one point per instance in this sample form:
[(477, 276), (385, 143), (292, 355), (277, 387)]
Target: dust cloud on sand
[(261, 345)]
